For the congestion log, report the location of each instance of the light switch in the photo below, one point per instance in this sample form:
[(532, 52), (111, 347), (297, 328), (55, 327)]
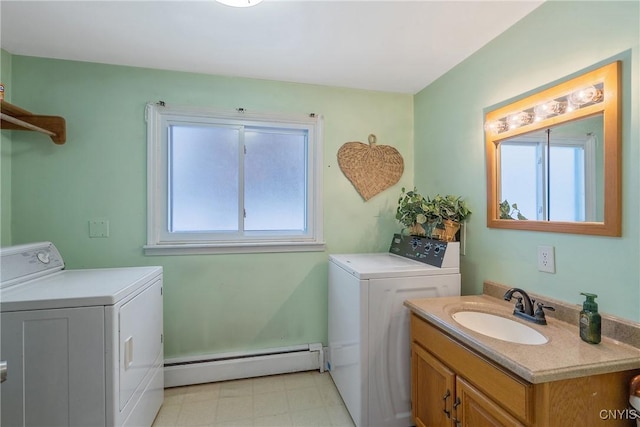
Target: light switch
[(98, 228)]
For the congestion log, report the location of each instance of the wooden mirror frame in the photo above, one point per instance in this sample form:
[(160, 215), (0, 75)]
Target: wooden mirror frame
[(609, 76)]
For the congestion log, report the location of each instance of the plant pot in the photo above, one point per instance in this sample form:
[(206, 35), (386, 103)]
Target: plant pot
[(417, 230), (430, 228), (437, 233), (450, 230)]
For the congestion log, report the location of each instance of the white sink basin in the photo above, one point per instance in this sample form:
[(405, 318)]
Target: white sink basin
[(499, 327)]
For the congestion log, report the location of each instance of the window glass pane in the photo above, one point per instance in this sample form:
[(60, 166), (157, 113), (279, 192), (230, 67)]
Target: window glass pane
[(566, 189), (202, 158), (275, 180), (519, 177)]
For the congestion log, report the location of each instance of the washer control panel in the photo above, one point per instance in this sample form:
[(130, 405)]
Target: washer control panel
[(25, 262), (423, 249)]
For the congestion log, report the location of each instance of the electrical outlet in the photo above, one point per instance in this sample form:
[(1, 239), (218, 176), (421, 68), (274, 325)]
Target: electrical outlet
[(546, 259)]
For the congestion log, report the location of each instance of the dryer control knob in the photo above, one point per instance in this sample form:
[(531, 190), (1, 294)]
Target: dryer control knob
[(44, 257)]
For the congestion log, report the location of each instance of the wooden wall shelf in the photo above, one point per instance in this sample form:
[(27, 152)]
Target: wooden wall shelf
[(15, 118)]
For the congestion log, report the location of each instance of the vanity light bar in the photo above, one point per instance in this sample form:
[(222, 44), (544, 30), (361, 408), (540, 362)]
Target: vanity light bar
[(570, 102)]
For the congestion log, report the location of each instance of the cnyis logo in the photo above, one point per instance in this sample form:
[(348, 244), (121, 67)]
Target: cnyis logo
[(619, 414)]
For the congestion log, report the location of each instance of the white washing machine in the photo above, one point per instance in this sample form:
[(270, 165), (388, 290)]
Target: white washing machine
[(80, 347), (369, 345)]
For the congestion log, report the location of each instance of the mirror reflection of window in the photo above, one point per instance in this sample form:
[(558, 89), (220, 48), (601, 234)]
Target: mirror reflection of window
[(552, 174)]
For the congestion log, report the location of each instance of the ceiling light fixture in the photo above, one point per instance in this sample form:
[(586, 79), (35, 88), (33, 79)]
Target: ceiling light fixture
[(239, 3)]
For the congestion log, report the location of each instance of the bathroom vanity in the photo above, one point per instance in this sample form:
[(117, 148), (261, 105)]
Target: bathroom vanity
[(464, 378)]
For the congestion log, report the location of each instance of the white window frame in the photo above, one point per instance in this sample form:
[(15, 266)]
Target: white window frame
[(160, 242)]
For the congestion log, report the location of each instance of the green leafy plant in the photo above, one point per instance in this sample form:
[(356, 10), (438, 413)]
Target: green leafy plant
[(412, 208), (507, 211), (453, 208)]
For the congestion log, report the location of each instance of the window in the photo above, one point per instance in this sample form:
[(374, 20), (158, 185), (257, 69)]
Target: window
[(232, 182), (552, 179)]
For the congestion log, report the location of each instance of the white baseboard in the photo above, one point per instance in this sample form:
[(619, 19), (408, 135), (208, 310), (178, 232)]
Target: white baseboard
[(231, 366)]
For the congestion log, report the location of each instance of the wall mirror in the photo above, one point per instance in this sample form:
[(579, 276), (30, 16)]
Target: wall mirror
[(553, 158)]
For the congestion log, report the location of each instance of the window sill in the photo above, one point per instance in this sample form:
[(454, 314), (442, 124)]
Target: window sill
[(231, 248)]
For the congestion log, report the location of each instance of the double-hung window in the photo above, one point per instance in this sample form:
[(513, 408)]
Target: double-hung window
[(551, 178), (232, 182)]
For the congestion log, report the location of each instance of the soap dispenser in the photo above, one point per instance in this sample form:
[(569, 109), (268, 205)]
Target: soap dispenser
[(590, 320)]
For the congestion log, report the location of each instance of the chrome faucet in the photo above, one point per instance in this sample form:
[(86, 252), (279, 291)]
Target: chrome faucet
[(525, 310)]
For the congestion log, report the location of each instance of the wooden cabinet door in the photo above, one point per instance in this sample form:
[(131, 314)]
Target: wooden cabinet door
[(477, 410), (432, 390)]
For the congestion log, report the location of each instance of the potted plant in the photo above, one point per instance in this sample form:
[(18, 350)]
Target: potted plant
[(416, 213), (450, 211)]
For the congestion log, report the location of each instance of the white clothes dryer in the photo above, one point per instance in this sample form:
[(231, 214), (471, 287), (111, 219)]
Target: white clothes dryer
[(369, 345), (80, 347)]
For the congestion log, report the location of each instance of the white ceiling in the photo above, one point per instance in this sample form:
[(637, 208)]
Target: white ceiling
[(395, 46)]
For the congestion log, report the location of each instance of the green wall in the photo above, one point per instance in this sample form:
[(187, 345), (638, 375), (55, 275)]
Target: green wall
[(5, 157), (554, 41), (213, 303)]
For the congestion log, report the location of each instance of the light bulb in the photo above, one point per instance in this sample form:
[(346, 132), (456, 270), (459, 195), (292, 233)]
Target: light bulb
[(520, 119), (585, 95), (496, 126), (549, 108)]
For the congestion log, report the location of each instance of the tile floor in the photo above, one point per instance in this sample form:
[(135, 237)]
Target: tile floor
[(296, 400)]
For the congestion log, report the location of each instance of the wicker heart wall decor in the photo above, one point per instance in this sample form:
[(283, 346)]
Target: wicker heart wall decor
[(370, 168)]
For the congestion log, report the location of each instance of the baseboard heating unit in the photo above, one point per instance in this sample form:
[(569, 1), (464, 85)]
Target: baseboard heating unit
[(230, 366)]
